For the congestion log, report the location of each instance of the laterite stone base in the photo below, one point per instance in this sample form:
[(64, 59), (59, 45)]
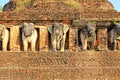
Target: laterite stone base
[(88, 65)]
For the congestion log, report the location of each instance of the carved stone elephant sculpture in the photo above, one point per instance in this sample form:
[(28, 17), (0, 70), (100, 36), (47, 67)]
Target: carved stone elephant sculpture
[(58, 36), (88, 35), (4, 36), (29, 35), (113, 37)]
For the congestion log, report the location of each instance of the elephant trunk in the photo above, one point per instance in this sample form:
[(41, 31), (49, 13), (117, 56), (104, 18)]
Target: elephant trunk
[(59, 38), (58, 45)]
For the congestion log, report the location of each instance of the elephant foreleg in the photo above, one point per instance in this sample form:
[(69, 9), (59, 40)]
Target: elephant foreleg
[(34, 39), (58, 44), (63, 43), (5, 41), (115, 45), (4, 45), (92, 45), (54, 44), (25, 45), (32, 46), (83, 41)]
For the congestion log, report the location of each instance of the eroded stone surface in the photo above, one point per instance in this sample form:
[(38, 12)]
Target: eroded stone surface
[(87, 65)]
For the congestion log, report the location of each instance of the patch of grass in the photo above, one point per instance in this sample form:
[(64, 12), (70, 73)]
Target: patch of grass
[(21, 5), (74, 4)]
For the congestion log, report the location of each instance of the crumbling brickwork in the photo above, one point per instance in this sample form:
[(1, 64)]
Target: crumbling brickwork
[(102, 39), (14, 38), (87, 65), (46, 65), (73, 39), (44, 39), (48, 10)]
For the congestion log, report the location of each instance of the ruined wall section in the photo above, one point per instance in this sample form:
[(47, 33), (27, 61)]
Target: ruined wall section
[(87, 65), (55, 10)]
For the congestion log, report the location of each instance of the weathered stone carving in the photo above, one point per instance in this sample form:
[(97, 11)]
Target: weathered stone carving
[(114, 37), (29, 35), (58, 36), (86, 32), (4, 36), (88, 35)]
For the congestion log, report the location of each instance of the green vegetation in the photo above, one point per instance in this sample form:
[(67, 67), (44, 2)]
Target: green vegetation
[(74, 4), (22, 4), (0, 8)]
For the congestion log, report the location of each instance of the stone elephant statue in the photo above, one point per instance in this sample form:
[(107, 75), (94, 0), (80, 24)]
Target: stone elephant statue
[(88, 35), (114, 36), (4, 37), (58, 35), (29, 35)]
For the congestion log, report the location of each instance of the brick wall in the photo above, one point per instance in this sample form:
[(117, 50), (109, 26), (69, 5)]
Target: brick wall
[(101, 9), (87, 65), (102, 39), (44, 40)]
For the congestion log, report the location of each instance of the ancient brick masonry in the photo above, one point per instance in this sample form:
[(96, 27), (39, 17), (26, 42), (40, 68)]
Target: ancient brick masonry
[(14, 38), (45, 65), (15, 41), (46, 10), (44, 42), (88, 65), (73, 39), (102, 39)]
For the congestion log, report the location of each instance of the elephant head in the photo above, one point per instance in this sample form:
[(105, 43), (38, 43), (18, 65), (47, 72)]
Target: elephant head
[(28, 29), (29, 35), (91, 28), (58, 34), (88, 34), (4, 37), (114, 37), (117, 29)]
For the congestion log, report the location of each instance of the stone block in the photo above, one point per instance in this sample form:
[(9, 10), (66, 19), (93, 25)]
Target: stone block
[(72, 39), (102, 39), (43, 38), (14, 38)]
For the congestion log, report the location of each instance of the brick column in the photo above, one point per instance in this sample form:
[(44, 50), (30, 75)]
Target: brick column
[(102, 39), (73, 39), (43, 38), (14, 38)]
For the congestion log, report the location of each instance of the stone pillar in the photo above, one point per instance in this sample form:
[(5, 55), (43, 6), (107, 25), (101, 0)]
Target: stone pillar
[(73, 39), (102, 39), (43, 38), (14, 38)]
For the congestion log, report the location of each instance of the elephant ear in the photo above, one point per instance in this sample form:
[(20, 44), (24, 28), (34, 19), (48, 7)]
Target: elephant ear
[(66, 28), (90, 25), (50, 29)]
